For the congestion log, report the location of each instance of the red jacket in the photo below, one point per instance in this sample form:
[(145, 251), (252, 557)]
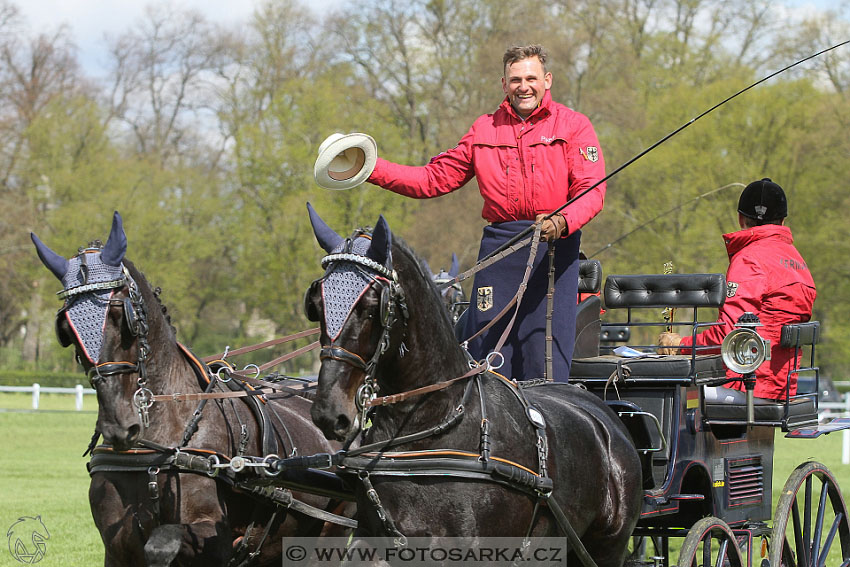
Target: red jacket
[(768, 277), (523, 168)]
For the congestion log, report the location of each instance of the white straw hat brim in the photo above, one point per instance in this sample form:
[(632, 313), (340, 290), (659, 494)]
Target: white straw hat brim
[(345, 160)]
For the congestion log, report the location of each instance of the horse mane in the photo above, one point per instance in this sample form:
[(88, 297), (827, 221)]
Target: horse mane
[(399, 245), (148, 290)]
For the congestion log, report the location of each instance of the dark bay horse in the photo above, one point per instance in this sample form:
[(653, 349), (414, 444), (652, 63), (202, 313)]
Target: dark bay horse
[(385, 331), (151, 513)]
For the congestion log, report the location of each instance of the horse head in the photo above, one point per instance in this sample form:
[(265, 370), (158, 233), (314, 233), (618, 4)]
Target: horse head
[(453, 295), (380, 316), (104, 317)]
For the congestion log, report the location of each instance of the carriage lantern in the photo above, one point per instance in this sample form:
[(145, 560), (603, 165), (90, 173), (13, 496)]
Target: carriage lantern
[(743, 351)]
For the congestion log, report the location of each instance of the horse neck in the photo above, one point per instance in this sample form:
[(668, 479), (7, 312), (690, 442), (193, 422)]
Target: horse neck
[(168, 368), (431, 352)]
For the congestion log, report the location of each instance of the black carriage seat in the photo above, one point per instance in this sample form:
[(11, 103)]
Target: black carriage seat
[(665, 290), (588, 322), (654, 290), (797, 411)]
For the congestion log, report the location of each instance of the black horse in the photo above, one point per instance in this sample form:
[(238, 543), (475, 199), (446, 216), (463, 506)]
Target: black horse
[(473, 456), (146, 509), (453, 295)]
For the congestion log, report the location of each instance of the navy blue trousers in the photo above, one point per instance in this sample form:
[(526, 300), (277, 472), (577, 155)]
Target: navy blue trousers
[(496, 285)]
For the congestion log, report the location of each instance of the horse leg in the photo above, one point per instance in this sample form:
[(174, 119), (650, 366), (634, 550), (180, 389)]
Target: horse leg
[(163, 545), (199, 543)]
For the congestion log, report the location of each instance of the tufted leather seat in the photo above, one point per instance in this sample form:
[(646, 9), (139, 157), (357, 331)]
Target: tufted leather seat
[(671, 290)]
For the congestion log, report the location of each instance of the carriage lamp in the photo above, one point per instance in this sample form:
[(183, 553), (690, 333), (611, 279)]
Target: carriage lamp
[(743, 351)]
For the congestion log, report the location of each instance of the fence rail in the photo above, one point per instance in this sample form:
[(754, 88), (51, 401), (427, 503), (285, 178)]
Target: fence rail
[(843, 409), (37, 390)]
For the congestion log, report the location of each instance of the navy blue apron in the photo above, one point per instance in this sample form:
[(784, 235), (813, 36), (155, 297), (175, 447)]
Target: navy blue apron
[(496, 285)]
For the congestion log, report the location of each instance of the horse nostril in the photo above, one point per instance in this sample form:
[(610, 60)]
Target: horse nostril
[(133, 433), (342, 426)]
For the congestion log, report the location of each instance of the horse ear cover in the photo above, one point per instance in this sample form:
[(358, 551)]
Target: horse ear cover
[(57, 264), (116, 245), (327, 238), (381, 248), (455, 269)]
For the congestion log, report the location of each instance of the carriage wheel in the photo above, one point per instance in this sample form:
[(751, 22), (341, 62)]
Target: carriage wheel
[(647, 550), (710, 543), (817, 534)]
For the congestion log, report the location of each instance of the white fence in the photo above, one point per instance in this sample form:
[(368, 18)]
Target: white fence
[(842, 409), (37, 390)]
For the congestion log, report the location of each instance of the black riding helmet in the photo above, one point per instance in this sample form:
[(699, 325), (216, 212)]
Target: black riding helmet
[(764, 201)]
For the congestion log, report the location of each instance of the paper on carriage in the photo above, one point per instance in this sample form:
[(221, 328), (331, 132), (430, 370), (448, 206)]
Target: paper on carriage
[(629, 352)]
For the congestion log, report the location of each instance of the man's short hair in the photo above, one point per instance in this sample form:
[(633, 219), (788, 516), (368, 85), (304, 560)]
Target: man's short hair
[(520, 52)]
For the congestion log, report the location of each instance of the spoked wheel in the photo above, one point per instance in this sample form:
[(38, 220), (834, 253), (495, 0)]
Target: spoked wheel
[(710, 543), (647, 550), (810, 527)]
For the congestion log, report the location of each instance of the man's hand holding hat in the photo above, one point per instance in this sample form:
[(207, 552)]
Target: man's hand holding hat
[(345, 160)]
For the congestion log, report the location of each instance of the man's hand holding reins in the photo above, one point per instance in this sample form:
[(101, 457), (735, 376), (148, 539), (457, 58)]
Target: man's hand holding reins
[(553, 228)]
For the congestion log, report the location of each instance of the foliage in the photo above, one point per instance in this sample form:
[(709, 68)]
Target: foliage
[(204, 138)]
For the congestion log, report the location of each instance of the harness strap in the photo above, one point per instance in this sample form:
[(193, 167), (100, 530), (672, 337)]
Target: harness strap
[(517, 298), (252, 348), (490, 261), (340, 354), (548, 369), (283, 498), (389, 526), (400, 397), (572, 536)]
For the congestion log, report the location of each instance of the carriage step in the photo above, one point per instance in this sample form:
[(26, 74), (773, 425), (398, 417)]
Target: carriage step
[(836, 424), (659, 500)]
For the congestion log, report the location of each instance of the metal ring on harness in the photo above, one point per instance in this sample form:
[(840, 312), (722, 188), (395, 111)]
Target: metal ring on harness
[(218, 375), (489, 360), (257, 370), (143, 399), (365, 394), (215, 467), (268, 469)]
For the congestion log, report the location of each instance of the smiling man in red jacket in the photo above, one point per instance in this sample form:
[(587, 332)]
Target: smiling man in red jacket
[(766, 276), (529, 157)]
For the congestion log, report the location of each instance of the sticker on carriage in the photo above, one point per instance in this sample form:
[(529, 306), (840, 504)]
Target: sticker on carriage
[(484, 300), (731, 289)]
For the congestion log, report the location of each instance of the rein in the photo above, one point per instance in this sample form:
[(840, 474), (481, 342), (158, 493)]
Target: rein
[(266, 344)]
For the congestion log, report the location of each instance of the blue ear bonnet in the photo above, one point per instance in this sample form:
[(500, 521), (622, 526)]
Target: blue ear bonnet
[(344, 283), (86, 311)]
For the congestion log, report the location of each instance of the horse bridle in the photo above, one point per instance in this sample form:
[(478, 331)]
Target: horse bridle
[(393, 306), (453, 292), (135, 314)]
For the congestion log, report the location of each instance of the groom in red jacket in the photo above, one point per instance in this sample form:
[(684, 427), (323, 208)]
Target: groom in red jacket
[(766, 276), (529, 157)]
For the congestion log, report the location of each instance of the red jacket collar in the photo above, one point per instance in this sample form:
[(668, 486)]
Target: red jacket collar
[(540, 110), (735, 241)]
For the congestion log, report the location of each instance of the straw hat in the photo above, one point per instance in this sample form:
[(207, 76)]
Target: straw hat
[(345, 160)]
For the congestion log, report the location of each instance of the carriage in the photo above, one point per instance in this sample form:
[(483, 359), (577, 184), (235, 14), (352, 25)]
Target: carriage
[(690, 470), (708, 467)]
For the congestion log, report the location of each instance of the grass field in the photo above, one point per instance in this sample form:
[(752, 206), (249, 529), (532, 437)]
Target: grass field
[(43, 474)]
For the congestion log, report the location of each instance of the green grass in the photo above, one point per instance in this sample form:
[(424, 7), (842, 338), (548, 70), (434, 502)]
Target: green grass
[(42, 473)]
